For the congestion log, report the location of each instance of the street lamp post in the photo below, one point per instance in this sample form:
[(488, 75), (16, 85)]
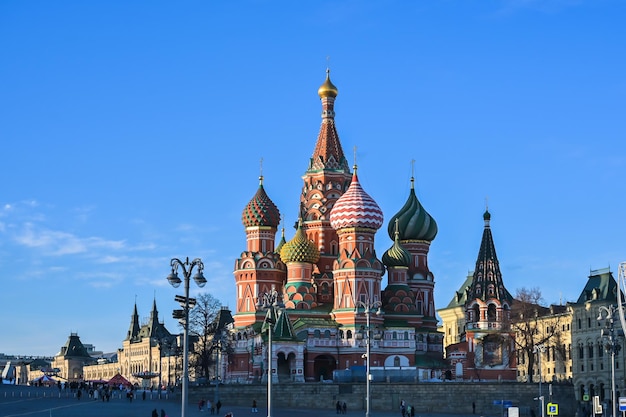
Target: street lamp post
[(183, 315), (612, 346), (271, 302), (368, 308), (539, 350), (218, 361)]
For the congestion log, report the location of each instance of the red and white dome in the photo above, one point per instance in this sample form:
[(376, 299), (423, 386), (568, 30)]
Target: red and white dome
[(355, 208)]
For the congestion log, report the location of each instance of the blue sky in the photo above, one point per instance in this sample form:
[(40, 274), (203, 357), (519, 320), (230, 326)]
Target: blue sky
[(132, 132)]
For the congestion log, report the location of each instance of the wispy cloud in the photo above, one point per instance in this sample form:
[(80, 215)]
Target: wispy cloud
[(58, 243)]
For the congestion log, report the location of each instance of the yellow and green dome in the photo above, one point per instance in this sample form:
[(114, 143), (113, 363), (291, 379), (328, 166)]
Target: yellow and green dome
[(299, 249)]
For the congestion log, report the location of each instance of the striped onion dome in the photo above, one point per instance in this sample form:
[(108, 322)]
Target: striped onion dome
[(414, 222), (299, 249), (355, 208), (396, 255), (260, 211)]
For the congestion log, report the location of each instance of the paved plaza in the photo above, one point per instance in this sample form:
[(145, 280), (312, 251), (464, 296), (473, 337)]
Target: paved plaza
[(50, 402)]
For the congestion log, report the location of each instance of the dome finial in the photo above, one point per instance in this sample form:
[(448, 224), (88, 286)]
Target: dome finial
[(487, 215), (354, 167), (412, 174), (261, 171)]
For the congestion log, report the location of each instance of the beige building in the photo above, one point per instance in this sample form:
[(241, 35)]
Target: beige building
[(71, 360), (552, 358), (150, 355), (591, 347)]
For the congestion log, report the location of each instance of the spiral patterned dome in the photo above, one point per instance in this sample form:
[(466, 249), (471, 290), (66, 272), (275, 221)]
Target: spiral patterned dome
[(397, 255), (260, 211), (414, 222), (299, 249), (355, 208)]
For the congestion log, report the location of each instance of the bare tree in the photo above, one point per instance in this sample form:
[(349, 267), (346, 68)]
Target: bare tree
[(202, 329), (534, 325)]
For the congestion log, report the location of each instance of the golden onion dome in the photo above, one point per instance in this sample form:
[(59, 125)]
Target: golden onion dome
[(327, 89)]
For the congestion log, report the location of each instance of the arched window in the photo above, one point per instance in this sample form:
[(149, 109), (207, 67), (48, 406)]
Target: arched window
[(396, 361)]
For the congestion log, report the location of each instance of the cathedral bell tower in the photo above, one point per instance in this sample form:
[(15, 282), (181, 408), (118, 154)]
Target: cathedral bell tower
[(489, 337), (325, 180)]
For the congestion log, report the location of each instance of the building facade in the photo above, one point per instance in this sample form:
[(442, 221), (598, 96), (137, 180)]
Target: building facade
[(328, 271), (579, 343), (591, 351), (150, 355)]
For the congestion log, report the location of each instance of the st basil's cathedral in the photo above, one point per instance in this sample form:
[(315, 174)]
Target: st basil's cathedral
[(327, 272)]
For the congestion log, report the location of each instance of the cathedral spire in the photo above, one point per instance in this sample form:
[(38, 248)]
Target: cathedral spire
[(328, 154), (133, 331), (487, 281)]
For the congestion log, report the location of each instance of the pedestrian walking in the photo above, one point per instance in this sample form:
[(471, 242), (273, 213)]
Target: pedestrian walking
[(254, 409), (218, 405)]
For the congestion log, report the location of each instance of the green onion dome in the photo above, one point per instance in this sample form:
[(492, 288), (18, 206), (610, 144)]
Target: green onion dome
[(396, 255), (300, 249), (260, 211), (414, 222)]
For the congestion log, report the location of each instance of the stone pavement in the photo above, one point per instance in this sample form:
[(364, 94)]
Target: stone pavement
[(50, 402)]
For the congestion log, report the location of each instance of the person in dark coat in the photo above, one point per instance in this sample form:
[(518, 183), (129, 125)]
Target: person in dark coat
[(155, 413)]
